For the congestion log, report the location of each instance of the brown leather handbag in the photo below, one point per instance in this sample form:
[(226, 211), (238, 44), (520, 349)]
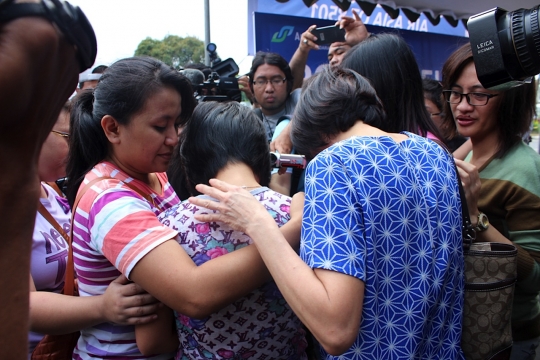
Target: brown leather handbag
[(490, 277)]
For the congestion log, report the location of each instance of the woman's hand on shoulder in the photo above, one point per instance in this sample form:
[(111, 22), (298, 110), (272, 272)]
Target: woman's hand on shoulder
[(236, 207), (126, 303), (470, 179)]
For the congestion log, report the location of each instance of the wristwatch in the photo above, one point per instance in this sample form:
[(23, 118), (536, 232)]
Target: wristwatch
[(483, 222)]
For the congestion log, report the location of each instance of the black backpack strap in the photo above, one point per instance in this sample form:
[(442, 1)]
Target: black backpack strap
[(258, 112), (283, 117)]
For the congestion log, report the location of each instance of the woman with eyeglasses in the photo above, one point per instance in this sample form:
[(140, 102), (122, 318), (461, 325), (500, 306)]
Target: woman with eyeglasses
[(501, 178), (433, 99), (50, 311)]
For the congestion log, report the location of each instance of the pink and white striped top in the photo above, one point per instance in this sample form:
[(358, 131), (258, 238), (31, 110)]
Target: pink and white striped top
[(113, 228)]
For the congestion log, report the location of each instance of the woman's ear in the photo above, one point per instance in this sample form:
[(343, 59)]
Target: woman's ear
[(111, 128)]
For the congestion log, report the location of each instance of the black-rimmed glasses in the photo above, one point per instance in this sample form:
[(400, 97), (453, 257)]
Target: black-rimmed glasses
[(276, 81), (474, 98), (65, 135)]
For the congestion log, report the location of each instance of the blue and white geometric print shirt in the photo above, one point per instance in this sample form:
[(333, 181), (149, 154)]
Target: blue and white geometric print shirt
[(389, 214)]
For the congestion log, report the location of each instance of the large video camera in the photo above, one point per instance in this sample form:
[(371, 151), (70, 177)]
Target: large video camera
[(506, 46), (221, 84), (218, 88)]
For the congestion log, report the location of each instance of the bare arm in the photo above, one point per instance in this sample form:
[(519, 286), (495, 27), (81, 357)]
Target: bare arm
[(283, 142), (160, 336), (243, 85), (328, 303), (470, 180), (281, 183), (39, 72), (123, 303), (299, 59), (168, 273)]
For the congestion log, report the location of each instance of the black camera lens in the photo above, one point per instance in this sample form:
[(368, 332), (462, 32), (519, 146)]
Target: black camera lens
[(506, 46), (525, 34), (274, 159)]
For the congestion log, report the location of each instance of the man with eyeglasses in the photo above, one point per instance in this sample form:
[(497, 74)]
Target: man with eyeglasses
[(270, 81)]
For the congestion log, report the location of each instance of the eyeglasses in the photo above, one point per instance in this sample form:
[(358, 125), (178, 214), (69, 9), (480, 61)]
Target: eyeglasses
[(437, 114), (65, 135), (276, 81), (474, 98)]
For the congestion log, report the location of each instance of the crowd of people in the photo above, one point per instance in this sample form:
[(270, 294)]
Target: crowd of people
[(186, 244)]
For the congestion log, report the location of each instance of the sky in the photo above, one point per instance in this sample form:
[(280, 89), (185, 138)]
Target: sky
[(120, 25)]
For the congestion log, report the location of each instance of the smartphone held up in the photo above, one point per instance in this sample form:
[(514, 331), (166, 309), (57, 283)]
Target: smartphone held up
[(328, 34)]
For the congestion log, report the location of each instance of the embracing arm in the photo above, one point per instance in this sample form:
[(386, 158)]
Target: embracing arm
[(123, 303), (327, 302), (281, 183), (158, 337), (168, 273)]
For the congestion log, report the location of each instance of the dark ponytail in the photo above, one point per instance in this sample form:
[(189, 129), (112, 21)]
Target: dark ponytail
[(88, 143)]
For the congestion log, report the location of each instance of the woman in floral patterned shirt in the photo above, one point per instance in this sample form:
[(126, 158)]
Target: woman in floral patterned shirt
[(226, 141)]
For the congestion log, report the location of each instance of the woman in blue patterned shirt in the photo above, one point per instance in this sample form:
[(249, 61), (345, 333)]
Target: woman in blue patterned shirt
[(380, 271)]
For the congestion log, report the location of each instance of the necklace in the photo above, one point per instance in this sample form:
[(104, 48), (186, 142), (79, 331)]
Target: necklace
[(250, 187), (269, 131)]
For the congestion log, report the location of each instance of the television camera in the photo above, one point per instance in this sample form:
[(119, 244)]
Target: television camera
[(221, 84), (506, 46)]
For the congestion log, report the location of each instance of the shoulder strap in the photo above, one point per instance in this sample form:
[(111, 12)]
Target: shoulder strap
[(259, 113), (47, 215), (56, 188), (283, 117), (69, 281), (467, 230), (146, 196)]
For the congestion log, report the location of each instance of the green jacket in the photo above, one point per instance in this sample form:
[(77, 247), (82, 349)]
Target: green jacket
[(510, 197)]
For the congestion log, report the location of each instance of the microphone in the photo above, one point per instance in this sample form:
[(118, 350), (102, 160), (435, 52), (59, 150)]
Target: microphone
[(196, 77)]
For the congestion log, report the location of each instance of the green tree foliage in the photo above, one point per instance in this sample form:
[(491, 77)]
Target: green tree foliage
[(173, 50)]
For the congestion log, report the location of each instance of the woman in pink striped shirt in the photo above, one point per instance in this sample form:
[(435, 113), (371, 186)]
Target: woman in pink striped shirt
[(123, 136)]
